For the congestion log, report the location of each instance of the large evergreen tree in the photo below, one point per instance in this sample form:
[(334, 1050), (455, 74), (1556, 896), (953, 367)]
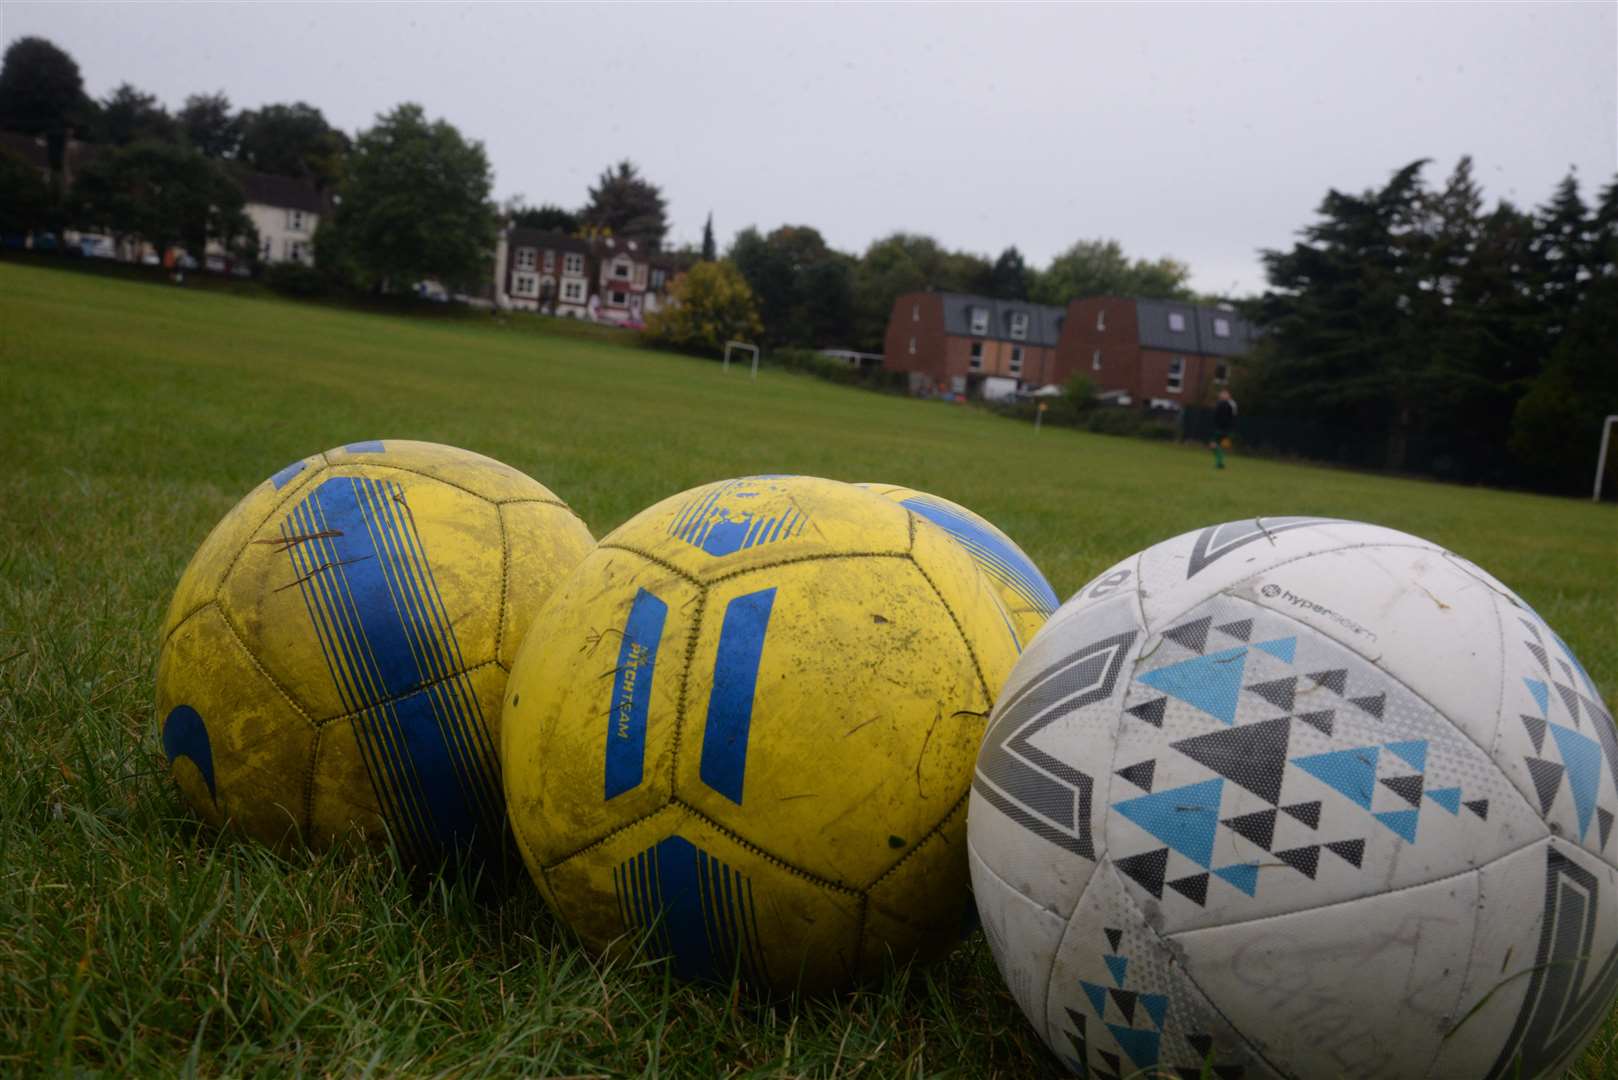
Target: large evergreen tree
[(803, 288), (293, 140), (710, 251), (209, 124), (1009, 278), (42, 93), (129, 115), (624, 204)]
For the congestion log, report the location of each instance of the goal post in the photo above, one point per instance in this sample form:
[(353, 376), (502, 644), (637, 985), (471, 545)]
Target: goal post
[(1601, 456), (741, 346)]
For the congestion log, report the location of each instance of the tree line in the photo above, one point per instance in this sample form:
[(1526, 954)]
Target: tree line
[(1413, 328)]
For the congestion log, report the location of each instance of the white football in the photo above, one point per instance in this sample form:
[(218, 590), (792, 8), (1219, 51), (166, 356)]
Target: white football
[(1296, 797)]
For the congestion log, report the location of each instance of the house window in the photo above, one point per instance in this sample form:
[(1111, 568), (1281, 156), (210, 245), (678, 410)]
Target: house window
[(550, 260), (980, 320), (1221, 374), (1221, 327), (573, 291), (296, 250), (658, 277), (1019, 325), (619, 298), (573, 264), (1101, 319), (547, 287), (295, 221), (1016, 360), (525, 285), (1176, 374), (525, 258), (1095, 360), (976, 362), (264, 250), (912, 346), (1176, 322), (915, 313), (620, 270)]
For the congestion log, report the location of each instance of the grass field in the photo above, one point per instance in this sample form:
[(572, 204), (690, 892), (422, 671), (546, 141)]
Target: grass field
[(132, 416)]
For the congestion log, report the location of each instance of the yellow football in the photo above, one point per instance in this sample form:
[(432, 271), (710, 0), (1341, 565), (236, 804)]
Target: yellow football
[(1027, 596), (743, 730), (334, 657)]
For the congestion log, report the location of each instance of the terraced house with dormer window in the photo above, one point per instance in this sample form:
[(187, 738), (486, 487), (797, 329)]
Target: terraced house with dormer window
[(972, 345)]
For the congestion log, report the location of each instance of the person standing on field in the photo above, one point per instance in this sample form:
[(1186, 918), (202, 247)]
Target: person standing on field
[(1224, 425)]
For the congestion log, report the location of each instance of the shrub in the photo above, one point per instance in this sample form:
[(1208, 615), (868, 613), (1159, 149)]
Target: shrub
[(295, 279)]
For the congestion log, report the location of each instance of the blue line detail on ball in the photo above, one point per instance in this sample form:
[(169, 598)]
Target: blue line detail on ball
[(730, 703), (693, 907), (396, 664), (370, 446), (992, 551), (719, 525), (280, 479), (632, 694), (186, 736)]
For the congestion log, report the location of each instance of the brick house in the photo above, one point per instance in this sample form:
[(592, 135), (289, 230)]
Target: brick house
[(973, 345), (1161, 353), (624, 270), (543, 271)]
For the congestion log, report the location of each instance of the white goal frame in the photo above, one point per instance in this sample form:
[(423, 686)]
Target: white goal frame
[(1601, 457), (744, 347)]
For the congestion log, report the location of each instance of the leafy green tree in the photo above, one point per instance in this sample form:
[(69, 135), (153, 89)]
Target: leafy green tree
[(907, 262), (1100, 268), (293, 140), (710, 251), (42, 93), (803, 288), (208, 124), (1009, 278), (625, 205), (164, 194), (708, 306), (1565, 247), (549, 218), (25, 197), (129, 115), (416, 204)]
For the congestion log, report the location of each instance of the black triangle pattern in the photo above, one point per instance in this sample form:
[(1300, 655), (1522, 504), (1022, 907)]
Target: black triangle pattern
[(1539, 654), (1193, 635), (1113, 937), (1202, 1044), (1077, 1037), (1407, 788), (1193, 888), (1125, 1000), (1547, 780), (1350, 851), (1252, 755), (1604, 823), (1532, 629), (1277, 692), (1140, 774), (1151, 711), (1571, 700), (1112, 1060), (1480, 807), (1322, 721), (1241, 630), (1306, 812), (1373, 704), (1567, 668), (1335, 680), (1536, 731), (1304, 859), (1147, 869), (1258, 827)]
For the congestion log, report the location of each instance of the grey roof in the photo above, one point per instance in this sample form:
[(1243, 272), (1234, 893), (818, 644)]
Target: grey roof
[(518, 236), (288, 192), (1044, 322), (1198, 335)]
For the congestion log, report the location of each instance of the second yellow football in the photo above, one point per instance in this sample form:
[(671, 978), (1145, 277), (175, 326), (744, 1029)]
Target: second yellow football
[(745, 726)]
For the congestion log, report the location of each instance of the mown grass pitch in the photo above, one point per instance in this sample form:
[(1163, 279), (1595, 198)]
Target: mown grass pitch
[(132, 416)]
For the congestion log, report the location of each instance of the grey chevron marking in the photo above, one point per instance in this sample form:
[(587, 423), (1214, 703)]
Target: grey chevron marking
[(1215, 543), (1046, 796)]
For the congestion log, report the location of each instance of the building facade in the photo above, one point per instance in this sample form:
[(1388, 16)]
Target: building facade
[(973, 345), (1165, 354), (605, 280), (286, 211)]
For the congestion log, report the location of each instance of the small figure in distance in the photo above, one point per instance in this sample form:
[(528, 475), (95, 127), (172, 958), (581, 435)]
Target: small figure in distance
[(1224, 424)]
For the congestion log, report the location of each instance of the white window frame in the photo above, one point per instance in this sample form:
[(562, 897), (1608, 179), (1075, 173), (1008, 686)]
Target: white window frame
[(550, 261), (573, 291), (525, 258), (915, 312), (1101, 319), (1221, 327), (524, 284), (974, 361), (618, 298), (622, 270), (1015, 367), (295, 249), (1177, 322), (659, 278), (1095, 360), (295, 221), (1019, 325), (1221, 373), (912, 346), (1176, 377), (980, 320), (573, 263)]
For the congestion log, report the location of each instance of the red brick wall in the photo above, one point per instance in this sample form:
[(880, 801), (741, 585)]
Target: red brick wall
[(919, 316), (1117, 339)]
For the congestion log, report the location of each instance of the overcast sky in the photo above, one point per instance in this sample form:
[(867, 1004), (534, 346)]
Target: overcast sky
[(1202, 131)]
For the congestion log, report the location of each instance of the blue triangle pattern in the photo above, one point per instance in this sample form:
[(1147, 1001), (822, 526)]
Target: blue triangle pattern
[(1582, 756), (1281, 648), (1097, 996), (1242, 875), (1157, 1007), (1118, 965), (1402, 822), (1184, 818), (1141, 1045), (1414, 752), (1447, 797), (1349, 772), (1541, 692), (1212, 683)]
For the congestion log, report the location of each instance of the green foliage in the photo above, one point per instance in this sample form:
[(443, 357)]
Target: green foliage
[(708, 306), (1100, 268), (1079, 390), (1010, 279), (129, 115), (810, 362), (25, 197), (1556, 428), (416, 205), (710, 251), (902, 263), (136, 943), (296, 279), (547, 218), (626, 205), (208, 124), (293, 140), (802, 286), (162, 193), (42, 93)]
